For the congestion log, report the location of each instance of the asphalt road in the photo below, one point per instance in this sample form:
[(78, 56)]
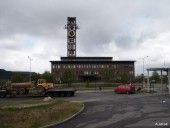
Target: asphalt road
[(109, 110)]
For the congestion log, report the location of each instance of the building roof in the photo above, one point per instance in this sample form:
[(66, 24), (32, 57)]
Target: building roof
[(89, 60), (86, 58), (158, 69), (92, 62)]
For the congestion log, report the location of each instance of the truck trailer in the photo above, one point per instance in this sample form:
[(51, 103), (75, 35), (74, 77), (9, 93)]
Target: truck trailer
[(41, 88)]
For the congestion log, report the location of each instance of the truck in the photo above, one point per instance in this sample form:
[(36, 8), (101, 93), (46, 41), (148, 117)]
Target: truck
[(4, 91), (24, 88), (35, 88)]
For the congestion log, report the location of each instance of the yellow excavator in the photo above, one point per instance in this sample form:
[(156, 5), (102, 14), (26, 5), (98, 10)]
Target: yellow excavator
[(43, 86)]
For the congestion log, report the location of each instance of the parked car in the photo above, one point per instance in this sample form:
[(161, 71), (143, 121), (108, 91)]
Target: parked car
[(125, 88)]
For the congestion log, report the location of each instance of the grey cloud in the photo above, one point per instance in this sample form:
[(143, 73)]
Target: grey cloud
[(124, 41), (145, 36), (48, 18), (124, 23)]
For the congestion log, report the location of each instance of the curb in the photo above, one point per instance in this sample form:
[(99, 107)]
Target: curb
[(79, 112)]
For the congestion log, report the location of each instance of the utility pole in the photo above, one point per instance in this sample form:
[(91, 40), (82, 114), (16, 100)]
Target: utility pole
[(143, 85), (30, 66)]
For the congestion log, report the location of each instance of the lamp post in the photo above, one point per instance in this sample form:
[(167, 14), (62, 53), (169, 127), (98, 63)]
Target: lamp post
[(143, 70), (30, 66)]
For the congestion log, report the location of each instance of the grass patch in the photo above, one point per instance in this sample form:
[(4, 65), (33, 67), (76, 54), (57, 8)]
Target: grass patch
[(36, 116)]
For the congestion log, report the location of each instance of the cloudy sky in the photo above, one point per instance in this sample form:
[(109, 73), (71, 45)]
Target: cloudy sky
[(123, 29)]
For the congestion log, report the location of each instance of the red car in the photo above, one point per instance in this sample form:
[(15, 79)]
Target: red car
[(125, 88)]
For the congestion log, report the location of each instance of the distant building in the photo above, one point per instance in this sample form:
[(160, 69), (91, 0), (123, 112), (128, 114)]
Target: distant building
[(88, 68)]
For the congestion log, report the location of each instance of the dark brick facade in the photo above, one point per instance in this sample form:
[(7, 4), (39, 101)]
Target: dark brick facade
[(90, 68)]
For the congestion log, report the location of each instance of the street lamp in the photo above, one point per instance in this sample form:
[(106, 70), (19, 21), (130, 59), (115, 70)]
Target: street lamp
[(30, 66), (143, 70)]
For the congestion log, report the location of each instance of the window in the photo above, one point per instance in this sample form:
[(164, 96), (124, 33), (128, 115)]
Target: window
[(130, 72), (122, 86), (119, 78), (85, 72), (116, 72), (57, 78), (114, 66), (96, 72), (53, 66)]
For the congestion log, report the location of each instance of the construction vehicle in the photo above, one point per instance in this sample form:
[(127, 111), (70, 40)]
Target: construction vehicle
[(38, 88), (7, 92), (24, 88)]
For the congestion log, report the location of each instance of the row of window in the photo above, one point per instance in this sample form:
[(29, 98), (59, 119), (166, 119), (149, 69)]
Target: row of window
[(82, 79), (94, 73), (91, 72), (77, 79), (82, 73), (91, 66)]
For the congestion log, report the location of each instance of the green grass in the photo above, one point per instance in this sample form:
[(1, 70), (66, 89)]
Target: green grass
[(36, 116)]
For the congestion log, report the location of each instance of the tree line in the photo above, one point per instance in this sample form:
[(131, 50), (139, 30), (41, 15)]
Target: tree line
[(68, 77), (18, 78)]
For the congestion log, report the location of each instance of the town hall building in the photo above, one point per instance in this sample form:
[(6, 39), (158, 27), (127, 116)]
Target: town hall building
[(88, 68)]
